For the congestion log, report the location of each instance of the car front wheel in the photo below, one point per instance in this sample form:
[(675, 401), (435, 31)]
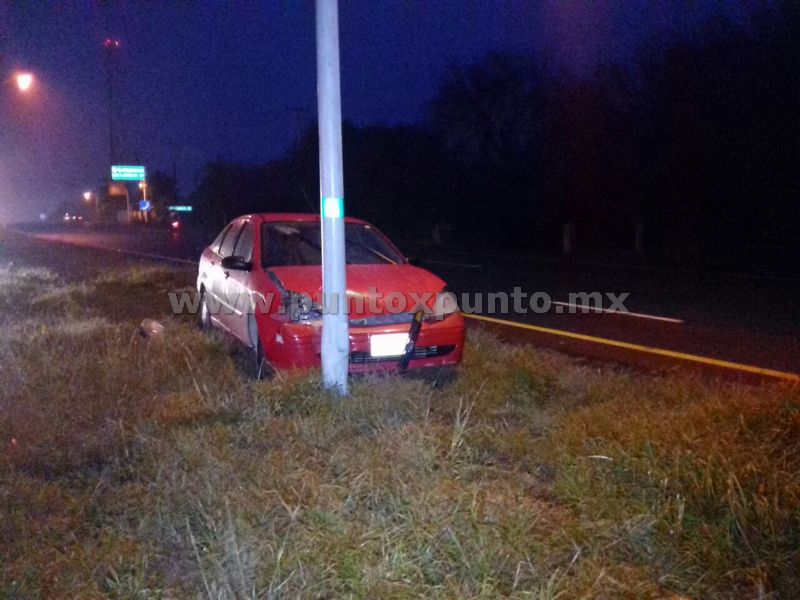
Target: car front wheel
[(261, 367), (205, 313)]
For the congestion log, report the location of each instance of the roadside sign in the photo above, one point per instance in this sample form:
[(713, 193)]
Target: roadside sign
[(127, 173), (181, 208)]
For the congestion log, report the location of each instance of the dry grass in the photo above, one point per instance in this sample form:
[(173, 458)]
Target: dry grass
[(155, 469), (704, 478)]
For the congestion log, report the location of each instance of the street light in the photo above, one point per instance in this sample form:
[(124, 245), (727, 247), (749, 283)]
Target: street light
[(87, 196), (24, 81), (111, 48), (145, 204)]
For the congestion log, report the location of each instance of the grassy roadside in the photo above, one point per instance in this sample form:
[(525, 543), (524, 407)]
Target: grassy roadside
[(135, 469)]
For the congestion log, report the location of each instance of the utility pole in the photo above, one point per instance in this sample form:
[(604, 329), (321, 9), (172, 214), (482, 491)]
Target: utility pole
[(335, 349), (110, 47), (110, 98)]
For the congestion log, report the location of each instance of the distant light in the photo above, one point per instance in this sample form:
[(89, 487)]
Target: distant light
[(175, 224), (87, 196), (24, 81), (42, 217), (180, 208)]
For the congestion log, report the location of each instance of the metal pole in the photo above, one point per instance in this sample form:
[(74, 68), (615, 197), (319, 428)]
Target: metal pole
[(110, 100), (335, 339), (144, 198)]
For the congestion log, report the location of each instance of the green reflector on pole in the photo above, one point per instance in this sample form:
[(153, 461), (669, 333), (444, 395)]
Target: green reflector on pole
[(333, 207)]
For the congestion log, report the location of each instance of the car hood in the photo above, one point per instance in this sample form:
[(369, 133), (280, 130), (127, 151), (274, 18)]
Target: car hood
[(380, 284)]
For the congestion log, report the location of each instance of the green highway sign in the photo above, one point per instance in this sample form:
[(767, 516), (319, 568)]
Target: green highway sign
[(127, 173)]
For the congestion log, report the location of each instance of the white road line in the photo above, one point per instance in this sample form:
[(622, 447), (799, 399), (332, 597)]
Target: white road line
[(617, 312), (95, 246), (596, 263), (152, 256), (716, 362)]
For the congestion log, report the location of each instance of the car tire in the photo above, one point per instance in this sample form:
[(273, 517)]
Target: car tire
[(205, 314), (438, 377), (260, 364), (444, 376)]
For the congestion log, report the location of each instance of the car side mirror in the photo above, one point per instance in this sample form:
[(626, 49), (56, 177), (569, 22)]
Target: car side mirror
[(235, 263)]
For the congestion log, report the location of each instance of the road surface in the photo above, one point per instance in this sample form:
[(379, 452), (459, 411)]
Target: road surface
[(750, 320)]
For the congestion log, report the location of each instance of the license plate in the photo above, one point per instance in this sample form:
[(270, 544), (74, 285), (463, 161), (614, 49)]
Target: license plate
[(387, 344)]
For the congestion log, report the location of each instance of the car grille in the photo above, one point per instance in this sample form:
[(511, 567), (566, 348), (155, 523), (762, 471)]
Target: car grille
[(379, 320), (363, 358)]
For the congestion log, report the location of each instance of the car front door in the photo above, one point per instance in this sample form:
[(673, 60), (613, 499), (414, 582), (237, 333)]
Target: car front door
[(225, 316), (238, 288), (210, 272)]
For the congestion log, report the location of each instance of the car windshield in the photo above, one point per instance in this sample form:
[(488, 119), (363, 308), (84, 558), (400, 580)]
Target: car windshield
[(294, 243)]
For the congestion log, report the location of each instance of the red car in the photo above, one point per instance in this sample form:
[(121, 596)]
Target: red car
[(261, 281)]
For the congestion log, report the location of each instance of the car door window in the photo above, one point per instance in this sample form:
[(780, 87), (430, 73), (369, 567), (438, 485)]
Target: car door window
[(230, 239), (218, 240), (244, 247)]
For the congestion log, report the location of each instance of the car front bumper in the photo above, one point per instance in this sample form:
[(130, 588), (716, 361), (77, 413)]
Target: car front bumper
[(297, 345)]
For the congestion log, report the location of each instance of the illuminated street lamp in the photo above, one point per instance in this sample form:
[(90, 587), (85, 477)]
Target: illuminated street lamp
[(143, 187), (87, 196), (24, 81), (145, 204)]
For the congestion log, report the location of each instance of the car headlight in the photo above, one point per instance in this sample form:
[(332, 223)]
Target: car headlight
[(444, 305), (301, 307)]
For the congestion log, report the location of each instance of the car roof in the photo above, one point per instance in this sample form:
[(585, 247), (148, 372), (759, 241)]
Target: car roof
[(297, 217)]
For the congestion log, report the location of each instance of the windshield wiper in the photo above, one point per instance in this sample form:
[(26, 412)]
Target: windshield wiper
[(376, 253)]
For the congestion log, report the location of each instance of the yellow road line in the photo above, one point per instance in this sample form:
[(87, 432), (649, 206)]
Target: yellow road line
[(705, 360)]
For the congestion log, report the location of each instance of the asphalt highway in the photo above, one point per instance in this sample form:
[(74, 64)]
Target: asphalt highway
[(720, 317)]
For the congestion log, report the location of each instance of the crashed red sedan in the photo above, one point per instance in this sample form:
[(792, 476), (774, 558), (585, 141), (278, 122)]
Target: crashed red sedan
[(261, 281)]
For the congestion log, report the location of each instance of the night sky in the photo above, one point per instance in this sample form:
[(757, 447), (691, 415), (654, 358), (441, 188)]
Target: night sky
[(198, 81)]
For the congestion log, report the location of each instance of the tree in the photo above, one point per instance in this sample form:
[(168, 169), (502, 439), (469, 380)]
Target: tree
[(490, 113), (162, 187)]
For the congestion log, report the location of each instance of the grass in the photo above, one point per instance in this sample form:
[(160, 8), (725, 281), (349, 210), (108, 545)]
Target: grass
[(136, 468)]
